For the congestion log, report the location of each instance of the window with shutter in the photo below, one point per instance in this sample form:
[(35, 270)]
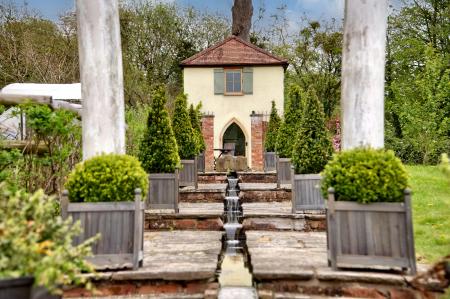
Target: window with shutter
[(233, 81)]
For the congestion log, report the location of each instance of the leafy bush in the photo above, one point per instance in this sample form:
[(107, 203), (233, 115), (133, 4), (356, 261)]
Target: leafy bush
[(312, 148), (272, 130), (136, 119), (195, 115), (288, 127), (445, 165), (109, 177), (365, 175), (36, 243), (158, 151), (182, 128)]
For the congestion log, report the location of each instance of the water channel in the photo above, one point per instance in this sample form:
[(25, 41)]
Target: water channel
[(235, 277)]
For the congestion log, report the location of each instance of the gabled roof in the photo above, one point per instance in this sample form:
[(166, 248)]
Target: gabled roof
[(233, 51)]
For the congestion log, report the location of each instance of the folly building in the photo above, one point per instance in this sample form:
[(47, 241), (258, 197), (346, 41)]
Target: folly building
[(233, 79)]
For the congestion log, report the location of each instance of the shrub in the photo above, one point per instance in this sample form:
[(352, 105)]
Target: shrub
[(35, 242), (194, 114), (312, 148), (288, 127), (136, 119), (182, 128), (109, 177), (365, 175), (272, 130), (158, 151)]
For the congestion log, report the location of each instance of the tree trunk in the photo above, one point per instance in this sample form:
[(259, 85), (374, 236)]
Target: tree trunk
[(363, 60), (242, 18)]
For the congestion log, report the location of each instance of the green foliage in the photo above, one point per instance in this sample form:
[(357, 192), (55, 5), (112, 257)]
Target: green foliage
[(365, 175), (312, 148), (289, 125), (52, 149), (272, 130), (158, 151), (195, 116), (445, 165), (136, 120), (105, 178), (33, 242), (182, 128)]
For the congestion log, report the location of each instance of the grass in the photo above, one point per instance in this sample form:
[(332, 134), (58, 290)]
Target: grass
[(431, 212)]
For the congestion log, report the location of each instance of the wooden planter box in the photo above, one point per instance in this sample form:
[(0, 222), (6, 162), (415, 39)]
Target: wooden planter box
[(270, 161), (376, 235), (306, 193), (163, 191), (188, 173), (201, 163), (283, 171), (120, 224)]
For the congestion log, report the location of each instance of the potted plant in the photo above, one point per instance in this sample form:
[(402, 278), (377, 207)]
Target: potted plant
[(286, 132), (36, 246), (187, 142), (311, 151), (158, 153), (271, 138), (104, 194), (369, 221), (195, 115)]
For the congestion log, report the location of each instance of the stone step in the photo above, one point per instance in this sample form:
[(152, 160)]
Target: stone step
[(246, 177)]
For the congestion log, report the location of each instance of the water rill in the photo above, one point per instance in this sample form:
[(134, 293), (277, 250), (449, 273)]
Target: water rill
[(235, 278)]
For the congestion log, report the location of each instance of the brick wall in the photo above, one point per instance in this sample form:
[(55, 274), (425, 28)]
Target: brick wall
[(257, 139), (208, 135)]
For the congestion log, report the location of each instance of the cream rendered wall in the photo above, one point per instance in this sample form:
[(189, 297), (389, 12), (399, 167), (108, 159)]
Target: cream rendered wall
[(268, 85)]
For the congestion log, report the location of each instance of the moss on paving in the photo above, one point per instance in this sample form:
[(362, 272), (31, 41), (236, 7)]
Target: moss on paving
[(431, 212)]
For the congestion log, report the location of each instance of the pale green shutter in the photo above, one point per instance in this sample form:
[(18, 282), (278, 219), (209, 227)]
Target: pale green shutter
[(247, 80), (218, 81)]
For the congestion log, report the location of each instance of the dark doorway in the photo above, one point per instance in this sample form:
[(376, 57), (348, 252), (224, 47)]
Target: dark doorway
[(234, 138)]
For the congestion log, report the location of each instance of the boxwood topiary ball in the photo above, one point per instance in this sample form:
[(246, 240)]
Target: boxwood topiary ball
[(106, 178), (365, 175)]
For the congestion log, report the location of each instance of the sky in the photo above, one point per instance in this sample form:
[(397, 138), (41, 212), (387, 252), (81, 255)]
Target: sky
[(314, 9)]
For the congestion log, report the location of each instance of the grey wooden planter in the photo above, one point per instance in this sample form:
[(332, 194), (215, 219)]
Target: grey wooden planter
[(121, 229), (283, 171), (270, 161), (163, 191), (306, 193), (201, 162), (377, 235), (188, 173)]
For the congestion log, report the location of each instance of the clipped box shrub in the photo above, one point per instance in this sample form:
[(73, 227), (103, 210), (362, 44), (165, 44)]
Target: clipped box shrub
[(195, 116), (182, 128), (365, 175), (110, 177), (272, 130)]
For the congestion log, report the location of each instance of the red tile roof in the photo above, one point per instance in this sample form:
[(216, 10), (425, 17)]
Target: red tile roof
[(233, 51)]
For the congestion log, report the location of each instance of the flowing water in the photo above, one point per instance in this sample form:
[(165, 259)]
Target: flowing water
[(235, 275)]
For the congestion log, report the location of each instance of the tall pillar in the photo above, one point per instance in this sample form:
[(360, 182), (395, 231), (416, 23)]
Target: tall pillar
[(257, 136), (363, 60), (208, 136), (100, 55)]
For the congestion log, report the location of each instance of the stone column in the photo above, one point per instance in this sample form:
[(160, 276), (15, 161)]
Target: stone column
[(257, 136), (362, 99), (208, 136), (100, 53)]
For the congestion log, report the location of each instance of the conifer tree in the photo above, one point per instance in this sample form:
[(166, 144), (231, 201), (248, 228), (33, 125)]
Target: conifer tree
[(312, 148), (194, 114), (288, 128), (182, 128), (272, 130), (158, 150)]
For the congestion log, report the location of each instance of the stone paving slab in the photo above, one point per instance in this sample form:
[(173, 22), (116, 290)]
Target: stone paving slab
[(177, 255), (237, 293), (263, 186), (158, 296), (215, 187)]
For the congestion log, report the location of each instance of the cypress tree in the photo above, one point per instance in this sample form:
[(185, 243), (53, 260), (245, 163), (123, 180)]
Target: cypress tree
[(182, 128), (194, 114), (158, 150), (288, 128), (312, 148), (272, 130)]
